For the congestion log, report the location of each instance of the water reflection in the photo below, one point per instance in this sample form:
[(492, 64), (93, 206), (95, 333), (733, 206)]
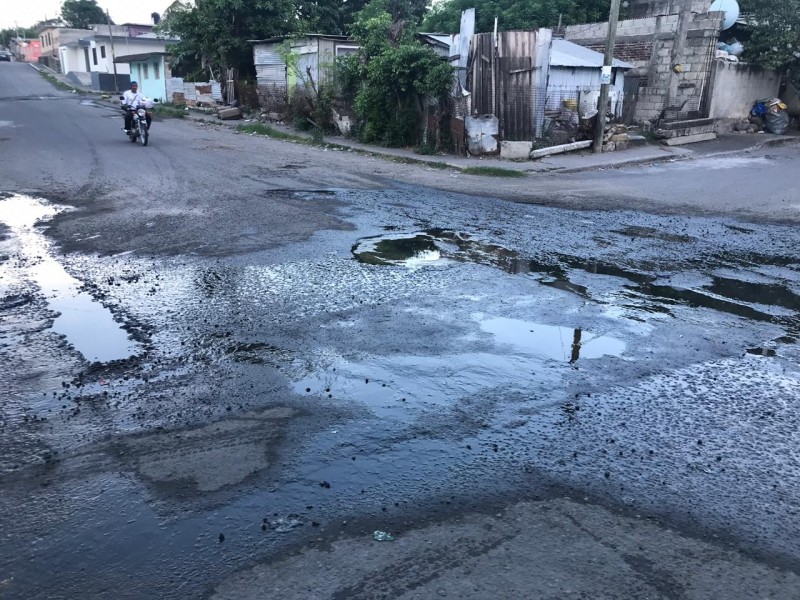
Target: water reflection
[(88, 326)]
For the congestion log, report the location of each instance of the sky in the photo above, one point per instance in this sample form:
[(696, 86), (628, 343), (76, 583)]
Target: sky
[(28, 12)]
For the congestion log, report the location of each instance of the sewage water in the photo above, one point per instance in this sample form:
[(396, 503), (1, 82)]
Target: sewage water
[(399, 386), (86, 324)]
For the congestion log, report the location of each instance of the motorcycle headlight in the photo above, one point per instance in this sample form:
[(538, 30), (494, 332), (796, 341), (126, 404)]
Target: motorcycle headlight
[(141, 112)]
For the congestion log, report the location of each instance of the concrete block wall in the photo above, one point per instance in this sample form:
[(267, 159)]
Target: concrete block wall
[(650, 45)]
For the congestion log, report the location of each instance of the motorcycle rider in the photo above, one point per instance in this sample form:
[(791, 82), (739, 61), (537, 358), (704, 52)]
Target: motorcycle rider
[(131, 100)]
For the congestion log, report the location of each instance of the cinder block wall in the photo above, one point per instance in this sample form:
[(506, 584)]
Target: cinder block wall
[(654, 46)]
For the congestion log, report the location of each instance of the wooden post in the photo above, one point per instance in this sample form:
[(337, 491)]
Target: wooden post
[(608, 61)]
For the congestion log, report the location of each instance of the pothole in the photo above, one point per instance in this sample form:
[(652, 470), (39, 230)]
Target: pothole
[(86, 324)]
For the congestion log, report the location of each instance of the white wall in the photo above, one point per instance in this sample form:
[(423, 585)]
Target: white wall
[(737, 86)]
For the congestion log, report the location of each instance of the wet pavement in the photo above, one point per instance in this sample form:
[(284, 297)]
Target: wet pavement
[(198, 384), (182, 417)]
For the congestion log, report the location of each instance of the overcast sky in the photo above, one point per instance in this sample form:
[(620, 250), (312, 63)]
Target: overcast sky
[(28, 12)]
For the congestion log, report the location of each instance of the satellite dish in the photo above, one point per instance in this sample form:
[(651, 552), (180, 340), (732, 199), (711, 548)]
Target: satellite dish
[(731, 10)]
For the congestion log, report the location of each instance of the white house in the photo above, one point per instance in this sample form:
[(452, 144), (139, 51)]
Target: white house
[(90, 60)]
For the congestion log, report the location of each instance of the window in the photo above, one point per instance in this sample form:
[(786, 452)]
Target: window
[(102, 51), (156, 68), (146, 73), (94, 55)]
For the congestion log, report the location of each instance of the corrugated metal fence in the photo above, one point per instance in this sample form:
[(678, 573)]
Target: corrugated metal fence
[(510, 80)]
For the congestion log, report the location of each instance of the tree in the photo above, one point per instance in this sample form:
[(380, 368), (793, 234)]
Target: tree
[(79, 14), (6, 35), (775, 35), (445, 16), (392, 79), (215, 34)]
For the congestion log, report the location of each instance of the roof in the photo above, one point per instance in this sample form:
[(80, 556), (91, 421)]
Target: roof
[(121, 38), (445, 40), (129, 58), (568, 54), (282, 38)]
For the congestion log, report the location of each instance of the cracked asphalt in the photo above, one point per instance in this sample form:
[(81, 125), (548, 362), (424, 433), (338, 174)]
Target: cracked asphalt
[(229, 361)]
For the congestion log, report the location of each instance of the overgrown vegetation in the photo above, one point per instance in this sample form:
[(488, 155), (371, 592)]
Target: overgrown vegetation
[(311, 102), (445, 16), (57, 82), (168, 109), (266, 130), (774, 35), (393, 80)]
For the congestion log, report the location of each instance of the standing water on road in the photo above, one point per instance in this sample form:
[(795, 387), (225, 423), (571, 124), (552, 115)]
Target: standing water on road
[(87, 325)]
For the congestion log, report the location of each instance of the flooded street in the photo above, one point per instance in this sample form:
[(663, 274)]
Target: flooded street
[(410, 364), (271, 370)]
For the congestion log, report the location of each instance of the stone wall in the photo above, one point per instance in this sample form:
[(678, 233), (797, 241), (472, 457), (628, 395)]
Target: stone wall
[(673, 56)]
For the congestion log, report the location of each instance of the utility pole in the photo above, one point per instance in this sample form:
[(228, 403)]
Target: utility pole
[(113, 55), (613, 17)]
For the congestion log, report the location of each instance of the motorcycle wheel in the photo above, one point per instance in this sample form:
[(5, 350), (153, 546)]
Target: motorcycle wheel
[(143, 133)]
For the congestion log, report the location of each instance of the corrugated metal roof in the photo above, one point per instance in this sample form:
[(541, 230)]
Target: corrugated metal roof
[(568, 54), (443, 39), (281, 38)]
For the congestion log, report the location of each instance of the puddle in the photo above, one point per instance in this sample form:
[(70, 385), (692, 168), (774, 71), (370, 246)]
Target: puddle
[(432, 247), (549, 341), (400, 386), (773, 301), (87, 325)]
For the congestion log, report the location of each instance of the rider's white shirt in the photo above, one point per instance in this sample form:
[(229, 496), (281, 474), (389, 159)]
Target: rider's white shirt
[(132, 99)]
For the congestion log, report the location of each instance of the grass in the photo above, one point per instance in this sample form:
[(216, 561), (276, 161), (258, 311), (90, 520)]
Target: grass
[(493, 172), (167, 109), (261, 129), (57, 82)]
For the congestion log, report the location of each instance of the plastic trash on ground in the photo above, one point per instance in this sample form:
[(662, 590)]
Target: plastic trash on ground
[(382, 536)]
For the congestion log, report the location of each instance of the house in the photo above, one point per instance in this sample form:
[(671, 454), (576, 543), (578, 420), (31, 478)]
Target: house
[(575, 68), (316, 55), (150, 70), (26, 50), (89, 61), (51, 38)]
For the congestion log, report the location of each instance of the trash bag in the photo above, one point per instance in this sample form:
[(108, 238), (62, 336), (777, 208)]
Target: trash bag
[(736, 49), (759, 108), (777, 123)]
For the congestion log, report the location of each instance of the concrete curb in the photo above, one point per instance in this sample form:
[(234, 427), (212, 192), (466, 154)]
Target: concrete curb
[(671, 155)]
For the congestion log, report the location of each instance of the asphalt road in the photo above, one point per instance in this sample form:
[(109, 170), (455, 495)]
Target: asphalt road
[(228, 361)]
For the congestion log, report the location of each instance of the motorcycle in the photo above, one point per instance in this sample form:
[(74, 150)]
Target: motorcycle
[(139, 130)]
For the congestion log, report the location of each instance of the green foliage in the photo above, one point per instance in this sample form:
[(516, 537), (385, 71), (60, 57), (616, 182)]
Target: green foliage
[(169, 109), (266, 130), (514, 14), (6, 35), (775, 35), (79, 14), (214, 33), (311, 102), (327, 16), (391, 79)]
